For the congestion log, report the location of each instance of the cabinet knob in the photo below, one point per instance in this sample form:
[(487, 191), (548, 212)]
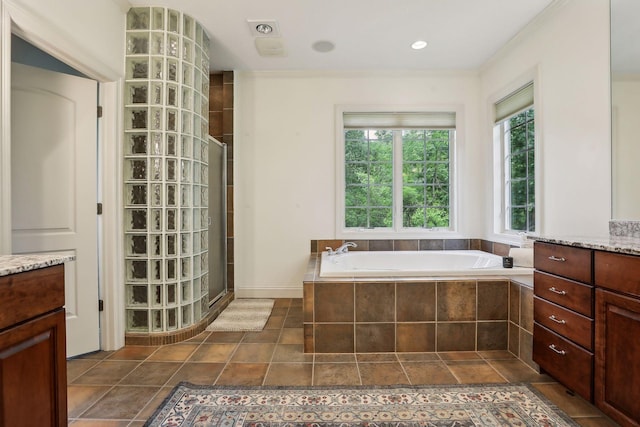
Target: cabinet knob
[(555, 291), (560, 352), (555, 319)]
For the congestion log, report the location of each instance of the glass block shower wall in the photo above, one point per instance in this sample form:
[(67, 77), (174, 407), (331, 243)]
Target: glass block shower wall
[(166, 170)]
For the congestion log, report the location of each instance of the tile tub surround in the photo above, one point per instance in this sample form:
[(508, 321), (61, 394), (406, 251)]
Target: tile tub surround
[(405, 314), (521, 322), (501, 249), (12, 264)]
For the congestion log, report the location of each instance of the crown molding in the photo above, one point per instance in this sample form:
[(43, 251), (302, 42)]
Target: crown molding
[(357, 73)]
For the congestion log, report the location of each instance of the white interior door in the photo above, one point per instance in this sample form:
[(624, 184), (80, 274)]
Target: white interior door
[(54, 186)]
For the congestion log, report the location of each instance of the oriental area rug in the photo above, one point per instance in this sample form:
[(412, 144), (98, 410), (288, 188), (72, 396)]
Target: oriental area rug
[(394, 406)]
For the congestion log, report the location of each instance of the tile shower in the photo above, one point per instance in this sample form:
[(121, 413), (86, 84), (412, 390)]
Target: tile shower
[(165, 170)]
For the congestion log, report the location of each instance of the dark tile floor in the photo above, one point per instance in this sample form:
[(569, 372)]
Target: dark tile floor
[(123, 388)]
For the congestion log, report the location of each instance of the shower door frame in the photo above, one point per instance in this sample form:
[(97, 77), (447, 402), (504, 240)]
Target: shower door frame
[(223, 218)]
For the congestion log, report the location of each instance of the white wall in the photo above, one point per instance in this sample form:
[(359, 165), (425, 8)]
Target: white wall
[(625, 95), (285, 143), (284, 150), (78, 31), (570, 50), (89, 36)]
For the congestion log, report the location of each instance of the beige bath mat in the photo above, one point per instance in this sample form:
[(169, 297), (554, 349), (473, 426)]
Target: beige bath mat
[(243, 315)]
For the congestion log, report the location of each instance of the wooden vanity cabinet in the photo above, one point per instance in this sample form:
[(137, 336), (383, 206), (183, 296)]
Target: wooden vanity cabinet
[(587, 325), (33, 379), (563, 313), (617, 340)]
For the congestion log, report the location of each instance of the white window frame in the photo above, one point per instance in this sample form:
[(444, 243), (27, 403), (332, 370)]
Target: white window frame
[(499, 167), (397, 231)]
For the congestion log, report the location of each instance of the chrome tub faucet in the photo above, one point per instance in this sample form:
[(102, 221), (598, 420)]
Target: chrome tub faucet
[(342, 249)]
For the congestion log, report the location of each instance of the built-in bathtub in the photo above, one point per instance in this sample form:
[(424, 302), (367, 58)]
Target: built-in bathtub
[(482, 307), (464, 263)]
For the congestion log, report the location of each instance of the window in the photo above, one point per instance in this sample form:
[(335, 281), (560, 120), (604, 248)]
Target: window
[(515, 127), (368, 178), (425, 178), (397, 170)]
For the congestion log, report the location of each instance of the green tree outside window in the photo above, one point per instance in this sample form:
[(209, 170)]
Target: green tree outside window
[(520, 171), (425, 175)]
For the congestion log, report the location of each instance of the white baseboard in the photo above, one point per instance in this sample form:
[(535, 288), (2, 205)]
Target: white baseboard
[(268, 292)]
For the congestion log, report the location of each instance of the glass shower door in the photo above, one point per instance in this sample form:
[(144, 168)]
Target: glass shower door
[(217, 220)]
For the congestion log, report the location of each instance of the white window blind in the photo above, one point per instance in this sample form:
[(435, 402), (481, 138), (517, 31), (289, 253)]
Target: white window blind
[(514, 103), (400, 120)]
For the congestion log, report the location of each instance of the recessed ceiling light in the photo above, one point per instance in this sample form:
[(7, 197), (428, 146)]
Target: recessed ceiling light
[(418, 44), (323, 46), (264, 28)]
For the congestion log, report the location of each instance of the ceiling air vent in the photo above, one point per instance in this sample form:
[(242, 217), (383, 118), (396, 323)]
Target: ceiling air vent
[(271, 47)]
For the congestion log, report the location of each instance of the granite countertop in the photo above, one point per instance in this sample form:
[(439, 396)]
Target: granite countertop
[(619, 244), (12, 264)]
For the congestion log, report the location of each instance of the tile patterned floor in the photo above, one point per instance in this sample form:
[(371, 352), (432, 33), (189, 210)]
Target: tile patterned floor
[(123, 388)]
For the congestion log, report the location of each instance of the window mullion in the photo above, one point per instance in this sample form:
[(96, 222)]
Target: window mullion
[(453, 173), (397, 180)]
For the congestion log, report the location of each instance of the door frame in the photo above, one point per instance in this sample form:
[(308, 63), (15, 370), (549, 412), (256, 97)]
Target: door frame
[(35, 29)]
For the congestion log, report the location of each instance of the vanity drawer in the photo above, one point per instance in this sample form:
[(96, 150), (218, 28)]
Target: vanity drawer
[(567, 293), (566, 261), (567, 362), (567, 323), (30, 294), (618, 272)]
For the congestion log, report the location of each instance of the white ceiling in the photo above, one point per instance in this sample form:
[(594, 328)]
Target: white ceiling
[(368, 34)]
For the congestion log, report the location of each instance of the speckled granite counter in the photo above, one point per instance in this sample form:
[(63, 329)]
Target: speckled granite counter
[(12, 264), (619, 244)]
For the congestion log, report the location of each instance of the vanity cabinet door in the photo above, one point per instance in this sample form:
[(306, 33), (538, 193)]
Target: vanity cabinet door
[(33, 378), (617, 370)]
